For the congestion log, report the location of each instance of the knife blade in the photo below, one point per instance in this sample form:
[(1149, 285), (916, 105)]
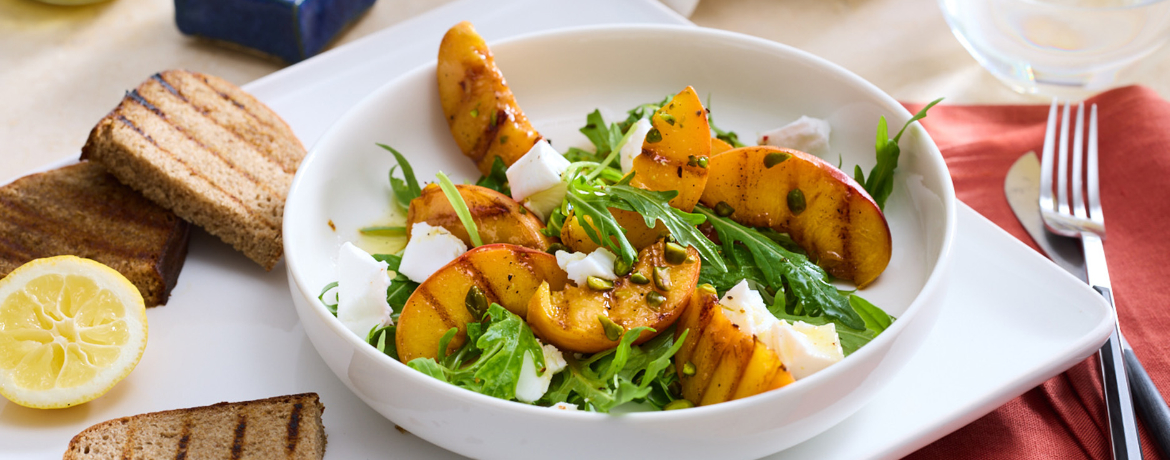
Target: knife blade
[(1022, 188)]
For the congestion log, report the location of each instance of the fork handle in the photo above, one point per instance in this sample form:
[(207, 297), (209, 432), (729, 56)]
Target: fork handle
[(1148, 400), (1123, 431)]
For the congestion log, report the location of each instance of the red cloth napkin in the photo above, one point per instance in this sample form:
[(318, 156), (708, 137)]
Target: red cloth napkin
[(1065, 417)]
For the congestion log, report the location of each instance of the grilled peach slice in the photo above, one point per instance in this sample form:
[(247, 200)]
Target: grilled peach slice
[(719, 146), (669, 161), (824, 210), (506, 274), (498, 217), (570, 319), (477, 103), (717, 361)]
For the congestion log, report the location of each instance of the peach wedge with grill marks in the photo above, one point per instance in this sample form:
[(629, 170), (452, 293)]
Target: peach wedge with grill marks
[(571, 318), (498, 217), (477, 103), (824, 210), (506, 274), (717, 361)]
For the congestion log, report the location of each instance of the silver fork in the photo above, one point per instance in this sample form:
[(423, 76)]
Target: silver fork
[(1074, 219)]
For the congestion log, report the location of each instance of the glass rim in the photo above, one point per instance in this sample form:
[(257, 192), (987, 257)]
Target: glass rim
[(1049, 3)]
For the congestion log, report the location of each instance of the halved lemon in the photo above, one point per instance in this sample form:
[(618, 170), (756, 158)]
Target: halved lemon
[(70, 328)]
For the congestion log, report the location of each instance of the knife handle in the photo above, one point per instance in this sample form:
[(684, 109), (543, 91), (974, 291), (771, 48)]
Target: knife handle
[(1123, 431), (1148, 400)]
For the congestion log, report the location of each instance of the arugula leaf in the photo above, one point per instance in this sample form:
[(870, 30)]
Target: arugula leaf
[(504, 343), (400, 287), (807, 281), (876, 321), (460, 208), (497, 179), (590, 201), (881, 178), (655, 206), (604, 137), (383, 340), (613, 377), (642, 111), (497, 346), (332, 307), (404, 190)]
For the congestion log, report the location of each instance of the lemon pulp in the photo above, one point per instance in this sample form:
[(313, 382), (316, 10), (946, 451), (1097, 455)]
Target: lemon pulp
[(69, 330)]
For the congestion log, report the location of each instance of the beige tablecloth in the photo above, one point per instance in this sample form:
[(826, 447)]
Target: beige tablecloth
[(62, 68)]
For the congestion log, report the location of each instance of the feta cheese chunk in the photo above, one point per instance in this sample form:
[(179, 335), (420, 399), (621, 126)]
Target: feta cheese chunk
[(563, 406), (580, 266), (539, 169), (532, 385), (806, 349), (745, 308), (806, 134), (429, 249), (361, 290), (803, 348), (636, 136)]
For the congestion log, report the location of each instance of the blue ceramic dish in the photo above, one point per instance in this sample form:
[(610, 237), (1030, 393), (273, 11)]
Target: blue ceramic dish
[(292, 30)]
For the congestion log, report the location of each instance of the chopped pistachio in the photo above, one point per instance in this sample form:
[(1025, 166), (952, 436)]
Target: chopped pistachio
[(675, 253), (476, 302), (613, 331), (599, 284), (775, 158), (654, 136), (796, 202), (621, 267), (638, 278), (722, 209), (689, 368), (654, 299), (662, 278)]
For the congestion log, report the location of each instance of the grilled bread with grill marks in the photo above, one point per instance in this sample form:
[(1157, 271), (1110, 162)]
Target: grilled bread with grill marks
[(206, 150), (82, 210), (284, 427)]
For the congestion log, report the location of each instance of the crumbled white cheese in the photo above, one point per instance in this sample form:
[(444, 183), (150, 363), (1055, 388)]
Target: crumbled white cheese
[(806, 349), (563, 406), (803, 348), (361, 290), (636, 137), (580, 266), (807, 134), (538, 170), (429, 249), (532, 385)]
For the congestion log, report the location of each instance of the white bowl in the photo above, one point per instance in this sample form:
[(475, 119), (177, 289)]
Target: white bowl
[(558, 78)]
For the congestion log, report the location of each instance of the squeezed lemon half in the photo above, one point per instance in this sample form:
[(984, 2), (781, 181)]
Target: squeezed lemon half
[(70, 328)]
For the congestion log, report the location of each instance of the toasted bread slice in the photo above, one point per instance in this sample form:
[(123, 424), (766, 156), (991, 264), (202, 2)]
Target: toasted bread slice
[(81, 210), (284, 427), (208, 151)]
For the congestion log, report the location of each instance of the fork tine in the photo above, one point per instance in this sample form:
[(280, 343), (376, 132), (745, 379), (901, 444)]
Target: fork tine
[(1046, 202), (1062, 166), (1078, 200), (1095, 212)]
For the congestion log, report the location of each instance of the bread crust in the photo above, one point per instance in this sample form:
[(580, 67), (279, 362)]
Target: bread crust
[(283, 427), (82, 210), (203, 148)]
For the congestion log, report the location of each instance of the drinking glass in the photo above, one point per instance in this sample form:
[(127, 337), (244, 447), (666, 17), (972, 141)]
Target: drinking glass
[(1058, 46)]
